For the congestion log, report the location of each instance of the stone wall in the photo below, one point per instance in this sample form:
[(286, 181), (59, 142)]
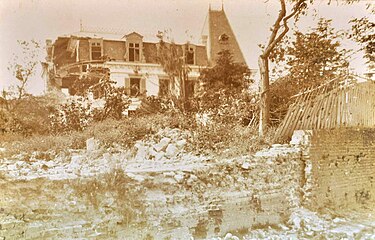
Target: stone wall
[(342, 167), (199, 200)]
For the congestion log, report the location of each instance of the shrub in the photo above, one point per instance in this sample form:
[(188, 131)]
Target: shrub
[(28, 115), (75, 115), (228, 140)]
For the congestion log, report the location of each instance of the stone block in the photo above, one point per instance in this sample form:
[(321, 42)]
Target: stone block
[(162, 145), (171, 151), (92, 144)]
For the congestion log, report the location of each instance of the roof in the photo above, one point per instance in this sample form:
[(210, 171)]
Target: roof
[(151, 38), (218, 29)]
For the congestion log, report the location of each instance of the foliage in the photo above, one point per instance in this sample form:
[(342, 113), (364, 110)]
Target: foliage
[(74, 115), (116, 100), (315, 57), (363, 33), (19, 117), (78, 113), (81, 86), (172, 59), (153, 104), (227, 139), (312, 59), (23, 66), (224, 90)]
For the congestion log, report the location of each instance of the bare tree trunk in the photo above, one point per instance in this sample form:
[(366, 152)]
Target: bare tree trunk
[(264, 86)]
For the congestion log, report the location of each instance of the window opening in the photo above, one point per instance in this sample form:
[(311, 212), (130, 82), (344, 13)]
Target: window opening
[(96, 51), (190, 55), (134, 52), (135, 85)]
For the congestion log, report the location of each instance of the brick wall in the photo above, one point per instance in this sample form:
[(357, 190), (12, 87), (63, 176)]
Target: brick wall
[(342, 163)]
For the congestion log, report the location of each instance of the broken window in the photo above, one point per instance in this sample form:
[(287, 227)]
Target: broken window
[(96, 51), (135, 86), (134, 52), (189, 54), (163, 87)]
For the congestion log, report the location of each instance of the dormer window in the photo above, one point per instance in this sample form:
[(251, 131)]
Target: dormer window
[(223, 38), (134, 46), (134, 52), (96, 49)]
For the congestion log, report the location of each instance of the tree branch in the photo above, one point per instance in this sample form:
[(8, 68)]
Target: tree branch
[(275, 29), (274, 39)]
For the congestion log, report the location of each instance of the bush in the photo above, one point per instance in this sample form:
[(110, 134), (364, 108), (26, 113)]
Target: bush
[(75, 115), (28, 115), (228, 140)]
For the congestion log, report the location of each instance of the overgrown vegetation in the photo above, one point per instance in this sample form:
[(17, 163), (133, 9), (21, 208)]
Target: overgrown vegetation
[(225, 98)]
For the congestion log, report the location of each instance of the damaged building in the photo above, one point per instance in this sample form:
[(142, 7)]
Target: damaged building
[(131, 60)]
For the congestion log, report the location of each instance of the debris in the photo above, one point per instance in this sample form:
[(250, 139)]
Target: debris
[(162, 145), (171, 151), (92, 144)]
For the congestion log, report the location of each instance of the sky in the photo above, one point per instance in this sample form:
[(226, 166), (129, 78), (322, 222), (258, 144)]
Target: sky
[(251, 21)]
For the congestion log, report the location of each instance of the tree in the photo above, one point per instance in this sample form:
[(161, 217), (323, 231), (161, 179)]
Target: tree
[(23, 66), (363, 33), (316, 57), (226, 78), (172, 59), (311, 59), (279, 30)]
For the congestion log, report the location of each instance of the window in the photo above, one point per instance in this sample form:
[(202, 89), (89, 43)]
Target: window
[(96, 51), (135, 86), (189, 54), (223, 38), (134, 52)]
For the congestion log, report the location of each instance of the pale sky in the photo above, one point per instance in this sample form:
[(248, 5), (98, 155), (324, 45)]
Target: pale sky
[(250, 20)]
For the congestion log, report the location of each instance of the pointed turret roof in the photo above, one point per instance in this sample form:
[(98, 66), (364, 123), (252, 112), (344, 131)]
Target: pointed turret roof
[(218, 35)]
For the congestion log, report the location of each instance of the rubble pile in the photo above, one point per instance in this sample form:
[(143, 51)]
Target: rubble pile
[(166, 144)]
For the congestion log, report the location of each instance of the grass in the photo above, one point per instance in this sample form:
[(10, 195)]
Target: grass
[(109, 132)]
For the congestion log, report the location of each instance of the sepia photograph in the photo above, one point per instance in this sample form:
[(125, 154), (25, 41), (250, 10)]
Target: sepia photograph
[(187, 119)]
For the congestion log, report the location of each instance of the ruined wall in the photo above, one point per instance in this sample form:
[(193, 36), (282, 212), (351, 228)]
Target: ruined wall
[(159, 199), (112, 195), (114, 50), (84, 51), (61, 55), (342, 166)]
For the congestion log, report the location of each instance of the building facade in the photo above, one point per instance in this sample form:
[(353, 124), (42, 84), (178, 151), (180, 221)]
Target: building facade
[(132, 59)]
